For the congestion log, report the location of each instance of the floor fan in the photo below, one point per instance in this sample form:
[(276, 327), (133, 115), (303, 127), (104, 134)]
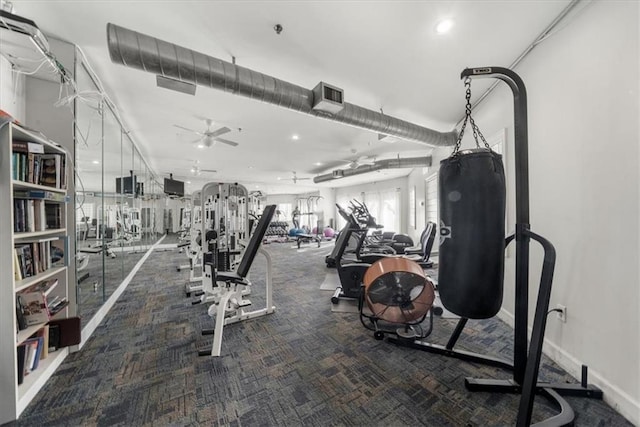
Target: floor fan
[(399, 297)]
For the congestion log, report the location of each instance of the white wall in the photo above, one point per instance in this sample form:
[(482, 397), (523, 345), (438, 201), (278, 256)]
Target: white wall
[(582, 86), (11, 91)]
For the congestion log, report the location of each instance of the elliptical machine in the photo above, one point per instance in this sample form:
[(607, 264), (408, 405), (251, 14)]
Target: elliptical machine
[(351, 273)]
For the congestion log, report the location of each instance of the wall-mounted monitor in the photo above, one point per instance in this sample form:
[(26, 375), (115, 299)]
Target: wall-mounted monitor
[(126, 185), (173, 187)]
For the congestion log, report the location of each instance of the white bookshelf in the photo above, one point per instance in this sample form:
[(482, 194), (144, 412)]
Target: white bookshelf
[(16, 397)]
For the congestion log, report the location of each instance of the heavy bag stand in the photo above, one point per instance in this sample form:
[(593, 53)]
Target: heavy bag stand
[(526, 363)]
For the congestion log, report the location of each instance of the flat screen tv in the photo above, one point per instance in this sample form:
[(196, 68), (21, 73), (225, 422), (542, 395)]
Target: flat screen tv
[(126, 185), (173, 187)]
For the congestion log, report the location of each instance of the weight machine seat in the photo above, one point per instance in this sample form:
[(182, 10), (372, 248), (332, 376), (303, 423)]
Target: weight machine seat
[(233, 277), (91, 250)]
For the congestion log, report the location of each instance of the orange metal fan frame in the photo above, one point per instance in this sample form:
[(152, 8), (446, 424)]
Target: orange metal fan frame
[(395, 313)]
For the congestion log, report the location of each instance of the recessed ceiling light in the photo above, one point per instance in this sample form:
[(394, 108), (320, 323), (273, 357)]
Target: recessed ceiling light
[(444, 26), (295, 137), (188, 182), (96, 162), (279, 178), (318, 163), (250, 167), (200, 145)]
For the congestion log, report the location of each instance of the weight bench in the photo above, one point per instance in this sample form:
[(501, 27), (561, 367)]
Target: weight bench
[(230, 306), (307, 238)]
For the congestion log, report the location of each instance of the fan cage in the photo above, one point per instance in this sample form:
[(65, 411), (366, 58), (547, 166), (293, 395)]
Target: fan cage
[(397, 290)]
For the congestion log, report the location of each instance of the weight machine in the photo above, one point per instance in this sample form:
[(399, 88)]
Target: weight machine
[(193, 245), (224, 228), (231, 286)]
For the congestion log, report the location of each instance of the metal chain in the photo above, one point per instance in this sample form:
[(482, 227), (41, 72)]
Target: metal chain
[(468, 118)]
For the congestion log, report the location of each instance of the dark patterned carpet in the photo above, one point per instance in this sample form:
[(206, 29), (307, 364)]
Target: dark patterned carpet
[(302, 365)]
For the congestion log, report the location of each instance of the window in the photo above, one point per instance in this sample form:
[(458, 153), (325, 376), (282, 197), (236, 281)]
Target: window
[(431, 204), (431, 199), (385, 208), (283, 212)]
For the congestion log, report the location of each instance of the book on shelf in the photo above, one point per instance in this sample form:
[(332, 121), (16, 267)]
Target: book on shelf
[(56, 305), (25, 259), (41, 195), (54, 337), (30, 215), (36, 257), (39, 215), (53, 213), (17, 272), (45, 287), (64, 333), (21, 322), (26, 159), (31, 356), (27, 147), (34, 308), (44, 333), (19, 216), (58, 250), (37, 307), (52, 170), (31, 348), (21, 353)]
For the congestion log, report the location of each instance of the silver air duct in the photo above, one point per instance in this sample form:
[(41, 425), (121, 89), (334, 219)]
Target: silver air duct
[(168, 60), (413, 162)]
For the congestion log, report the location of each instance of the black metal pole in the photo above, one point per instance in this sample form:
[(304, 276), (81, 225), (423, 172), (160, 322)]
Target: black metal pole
[(521, 144), (525, 408)]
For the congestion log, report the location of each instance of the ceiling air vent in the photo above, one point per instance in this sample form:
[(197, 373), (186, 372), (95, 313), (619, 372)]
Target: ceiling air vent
[(338, 173), (327, 98)]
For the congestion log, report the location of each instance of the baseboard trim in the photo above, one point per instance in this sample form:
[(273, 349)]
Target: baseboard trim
[(619, 400), (90, 327)]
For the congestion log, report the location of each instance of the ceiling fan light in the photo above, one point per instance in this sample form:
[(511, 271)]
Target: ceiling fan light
[(208, 141), (444, 26)]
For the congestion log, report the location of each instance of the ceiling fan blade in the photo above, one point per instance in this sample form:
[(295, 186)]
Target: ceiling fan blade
[(209, 170), (300, 179), (226, 141), (187, 129), (196, 140), (219, 132)]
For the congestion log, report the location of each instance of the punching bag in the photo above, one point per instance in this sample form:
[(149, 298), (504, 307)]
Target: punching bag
[(472, 233)]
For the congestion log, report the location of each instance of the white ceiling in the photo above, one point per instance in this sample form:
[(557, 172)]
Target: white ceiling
[(384, 54)]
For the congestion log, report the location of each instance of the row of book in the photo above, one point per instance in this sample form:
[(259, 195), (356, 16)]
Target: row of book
[(34, 258), (31, 351), (36, 215), (37, 304), (56, 334), (31, 164)]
